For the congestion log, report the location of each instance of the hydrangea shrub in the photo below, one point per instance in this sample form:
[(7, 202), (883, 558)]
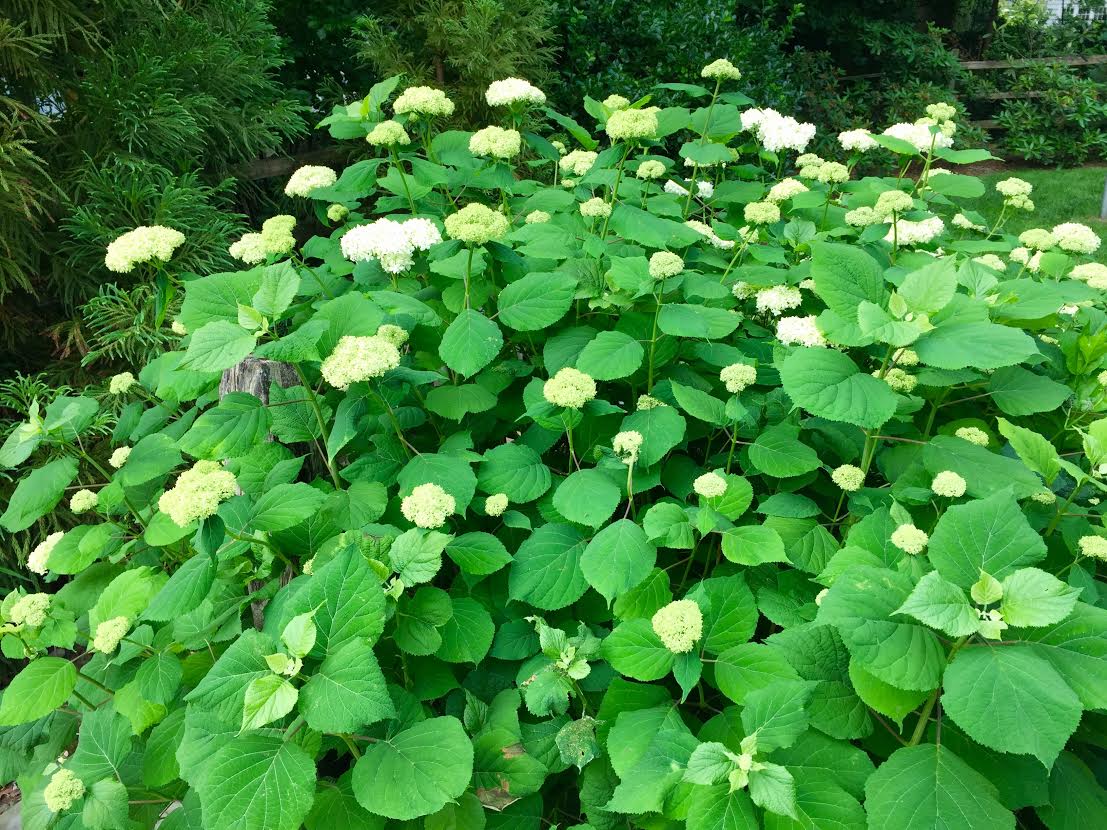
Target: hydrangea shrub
[(666, 475)]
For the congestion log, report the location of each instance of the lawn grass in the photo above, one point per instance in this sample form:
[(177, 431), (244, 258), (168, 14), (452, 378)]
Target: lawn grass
[(1059, 196)]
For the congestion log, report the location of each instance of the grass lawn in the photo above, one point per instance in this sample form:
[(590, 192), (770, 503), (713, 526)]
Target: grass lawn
[(1059, 196)]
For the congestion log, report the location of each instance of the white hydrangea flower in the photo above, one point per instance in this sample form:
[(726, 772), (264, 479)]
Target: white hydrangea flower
[(919, 136), (83, 501), (1089, 271), (197, 493), (577, 162), (569, 388), (388, 134), (119, 457), (858, 141), (899, 379), (496, 504), (991, 261), (785, 189), (910, 539), (308, 178), (974, 435), (357, 359), (777, 299), (249, 249), (1076, 238), (428, 506), (675, 189), (1038, 239), (178, 328), (706, 231), (721, 69), (802, 331), (709, 485), (626, 445), (650, 169), (423, 101), (147, 243), (761, 213), (1093, 546), (648, 402), (1014, 187), (30, 610), (679, 625), (705, 190), (423, 234), (893, 201), (39, 560), (948, 484), (1044, 497), (863, 217), (63, 791), (537, 217), (396, 335), (737, 376), (616, 102), (476, 224), (905, 232), (109, 633), (632, 125), (120, 384), (832, 172), (848, 477), (595, 208), (777, 132), (665, 264), (337, 212), (384, 240), (496, 142), (511, 91), (960, 220)]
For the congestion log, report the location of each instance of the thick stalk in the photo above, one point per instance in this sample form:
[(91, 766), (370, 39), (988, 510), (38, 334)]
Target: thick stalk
[(313, 400)]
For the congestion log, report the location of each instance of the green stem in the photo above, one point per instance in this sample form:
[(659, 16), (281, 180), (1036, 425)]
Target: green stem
[(653, 338), (615, 191), (403, 178), (350, 745), (1064, 508), (95, 683), (313, 399), (395, 423), (468, 274), (928, 707)]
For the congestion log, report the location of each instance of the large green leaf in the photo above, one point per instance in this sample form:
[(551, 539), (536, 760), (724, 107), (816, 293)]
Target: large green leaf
[(347, 692), (257, 781), (470, 342), (845, 276), (1018, 391), (217, 346), (185, 589), (587, 497), (618, 558), (40, 687), (546, 571), (990, 535), (415, 772), (611, 355), (1011, 700), (516, 471), (536, 301), (38, 494), (778, 452), (927, 787), (982, 345), (635, 650), (829, 385)]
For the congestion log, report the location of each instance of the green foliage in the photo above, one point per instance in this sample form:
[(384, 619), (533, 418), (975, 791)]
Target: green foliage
[(805, 532)]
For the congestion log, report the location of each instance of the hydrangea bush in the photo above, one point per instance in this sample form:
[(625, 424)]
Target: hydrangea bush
[(667, 474)]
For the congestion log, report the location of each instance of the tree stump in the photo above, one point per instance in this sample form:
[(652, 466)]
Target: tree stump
[(254, 375)]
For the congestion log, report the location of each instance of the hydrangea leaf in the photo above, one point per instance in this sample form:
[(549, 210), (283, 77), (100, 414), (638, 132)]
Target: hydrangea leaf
[(829, 385), (618, 558), (470, 342)]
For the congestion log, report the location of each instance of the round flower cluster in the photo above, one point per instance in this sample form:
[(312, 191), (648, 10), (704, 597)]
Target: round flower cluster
[(761, 213), (960, 220), (777, 132), (569, 388), (893, 201), (119, 457), (801, 331), (423, 101), (511, 91), (721, 69), (1076, 238), (712, 238), (476, 224), (392, 244), (785, 189), (909, 539), (1038, 239), (388, 134), (616, 102), (197, 493), (1093, 546), (919, 136), (109, 633), (121, 383), (30, 610), (249, 249), (632, 125), (859, 141), (948, 484), (1014, 187), (941, 111), (665, 264), (496, 142), (832, 172), (675, 189), (1044, 497), (578, 162), (974, 435), (863, 217), (626, 445), (848, 477), (39, 559), (648, 402), (357, 359), (143, 244), (650, 169), (906, 357), (991, 261), (777, 299), (308, 178), (396, 335), (1089, 271), (83, 501), (178, 328), (496, 504), (428, 506), (537, 217), (906, 232), (595, 207), (276, 233), (709, 485), (900, 380), (679, 625), (737, 376), (63, 790)]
